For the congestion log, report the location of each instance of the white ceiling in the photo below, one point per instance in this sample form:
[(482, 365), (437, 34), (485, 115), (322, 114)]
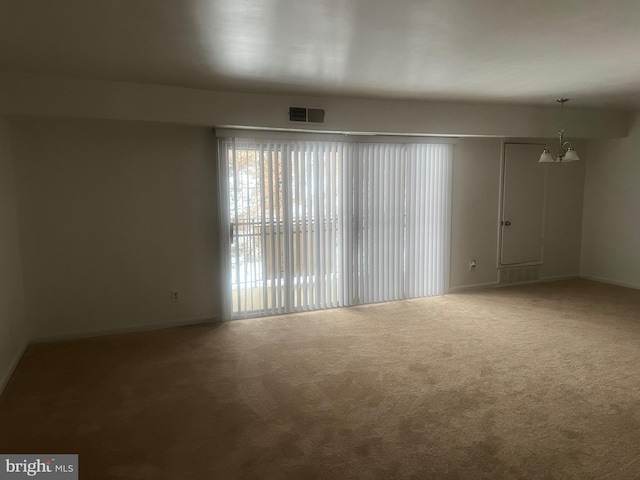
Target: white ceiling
[(506, 51)]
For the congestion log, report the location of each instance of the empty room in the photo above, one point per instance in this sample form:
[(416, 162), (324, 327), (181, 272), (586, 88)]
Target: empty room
[(285, 239)]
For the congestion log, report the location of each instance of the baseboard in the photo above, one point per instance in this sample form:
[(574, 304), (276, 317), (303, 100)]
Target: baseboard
[(12, 366), (519, 284), (476, 286), (557, 278), (611, 282), (100, 332), (479, 286), (6, 376)]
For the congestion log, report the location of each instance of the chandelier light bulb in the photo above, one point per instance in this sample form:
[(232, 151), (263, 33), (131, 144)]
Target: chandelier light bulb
[(571, 155), (546, 157)]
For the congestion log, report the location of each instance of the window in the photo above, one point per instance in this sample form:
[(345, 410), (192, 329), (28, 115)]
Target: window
[(313, 224)]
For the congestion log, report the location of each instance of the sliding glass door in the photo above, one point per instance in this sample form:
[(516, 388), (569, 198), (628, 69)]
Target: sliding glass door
[(321, 224), (403, 217)]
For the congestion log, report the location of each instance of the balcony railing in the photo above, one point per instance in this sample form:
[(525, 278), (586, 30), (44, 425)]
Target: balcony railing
[(259, 251)]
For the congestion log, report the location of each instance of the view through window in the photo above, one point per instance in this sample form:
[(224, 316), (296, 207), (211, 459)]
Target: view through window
[(321, 224)]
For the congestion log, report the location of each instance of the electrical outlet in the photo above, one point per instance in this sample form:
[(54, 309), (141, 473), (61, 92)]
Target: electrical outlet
[(472, 265), (175, 296)]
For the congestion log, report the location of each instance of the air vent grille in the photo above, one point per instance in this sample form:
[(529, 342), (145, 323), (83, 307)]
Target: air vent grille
[(315, 115), (297, 114), (306, 115), (508, 276)]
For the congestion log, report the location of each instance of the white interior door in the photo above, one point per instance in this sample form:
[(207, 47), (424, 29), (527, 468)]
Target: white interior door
[(522, 222)]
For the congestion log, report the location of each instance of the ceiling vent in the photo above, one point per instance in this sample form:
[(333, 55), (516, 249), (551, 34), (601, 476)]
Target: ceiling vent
[(306, 115)]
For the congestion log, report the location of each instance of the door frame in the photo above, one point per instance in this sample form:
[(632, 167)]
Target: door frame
[(501, 200)]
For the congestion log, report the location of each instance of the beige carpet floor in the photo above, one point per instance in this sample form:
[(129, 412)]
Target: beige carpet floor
[(535, 382)]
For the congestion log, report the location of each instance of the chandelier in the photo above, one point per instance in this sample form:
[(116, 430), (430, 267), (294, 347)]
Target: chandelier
[(566, 152)]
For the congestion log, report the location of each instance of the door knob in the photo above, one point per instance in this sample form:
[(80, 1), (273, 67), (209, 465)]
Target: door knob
[(507, 223)]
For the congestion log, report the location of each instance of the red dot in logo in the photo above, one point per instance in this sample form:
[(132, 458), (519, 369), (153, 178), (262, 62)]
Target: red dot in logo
[(48, 462)]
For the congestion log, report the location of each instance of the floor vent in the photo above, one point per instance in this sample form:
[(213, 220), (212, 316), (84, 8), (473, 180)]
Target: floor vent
[(508, 276)]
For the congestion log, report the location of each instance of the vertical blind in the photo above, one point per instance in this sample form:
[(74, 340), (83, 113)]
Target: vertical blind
[(321, 224)]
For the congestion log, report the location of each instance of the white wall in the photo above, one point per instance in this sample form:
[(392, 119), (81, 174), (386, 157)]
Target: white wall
[(475, 214), (563, 215), (611, 225), (113, 217), (83, 98), (13, 328), (115, 212), (474, 211)]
